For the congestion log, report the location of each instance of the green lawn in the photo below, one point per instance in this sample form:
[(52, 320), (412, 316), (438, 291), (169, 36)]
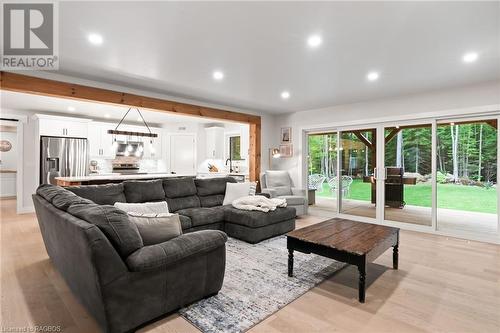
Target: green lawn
[(458, 197)]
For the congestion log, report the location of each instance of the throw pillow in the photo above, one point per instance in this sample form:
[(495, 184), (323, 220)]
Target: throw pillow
[(156, 228), (144, 208), (238, 190)]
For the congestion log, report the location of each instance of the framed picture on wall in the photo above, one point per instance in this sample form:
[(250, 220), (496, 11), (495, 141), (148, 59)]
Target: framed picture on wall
[(286, 150), (286, 135)]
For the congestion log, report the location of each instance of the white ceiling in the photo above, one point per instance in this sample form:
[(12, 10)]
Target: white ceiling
[(29, 103), (173, 48)]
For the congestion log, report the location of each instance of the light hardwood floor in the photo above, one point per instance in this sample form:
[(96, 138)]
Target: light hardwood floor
[(442, 285)]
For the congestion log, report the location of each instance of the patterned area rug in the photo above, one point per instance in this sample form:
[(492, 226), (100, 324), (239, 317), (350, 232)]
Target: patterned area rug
[(256, 285)]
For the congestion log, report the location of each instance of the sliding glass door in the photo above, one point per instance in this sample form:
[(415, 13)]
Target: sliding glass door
[(322, 170), (356, 184), (467, 195), (434, 175), (408, 173)]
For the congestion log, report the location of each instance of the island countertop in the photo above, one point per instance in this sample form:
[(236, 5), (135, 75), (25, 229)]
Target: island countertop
[(112, 178)]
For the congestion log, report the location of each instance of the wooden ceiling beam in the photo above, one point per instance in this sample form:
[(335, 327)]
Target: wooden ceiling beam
[(363, 139), (392, 134), (33, 85)]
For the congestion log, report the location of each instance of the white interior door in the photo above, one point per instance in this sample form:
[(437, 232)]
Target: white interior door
[(183, 154)]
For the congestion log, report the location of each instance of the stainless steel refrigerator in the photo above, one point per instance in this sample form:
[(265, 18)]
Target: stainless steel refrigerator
[(65, 157)]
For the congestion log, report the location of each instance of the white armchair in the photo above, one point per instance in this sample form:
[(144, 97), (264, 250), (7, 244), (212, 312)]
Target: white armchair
[(278, 184)]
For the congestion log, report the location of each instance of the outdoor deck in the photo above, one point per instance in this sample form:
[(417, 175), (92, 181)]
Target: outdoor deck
[(448, 219)]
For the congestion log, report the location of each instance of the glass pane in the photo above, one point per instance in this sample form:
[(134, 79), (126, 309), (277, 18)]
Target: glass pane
[(322, 167), (467, 176), (357, 186), (408, 185), (234, 146)]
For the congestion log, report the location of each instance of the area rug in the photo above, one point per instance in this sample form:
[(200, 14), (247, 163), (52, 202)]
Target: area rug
[(256, 285)]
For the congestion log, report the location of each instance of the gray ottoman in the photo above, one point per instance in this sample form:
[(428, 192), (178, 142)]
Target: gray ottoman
[(255, 226)]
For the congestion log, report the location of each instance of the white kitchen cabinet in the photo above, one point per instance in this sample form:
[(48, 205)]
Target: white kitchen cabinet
[(100, 142), (62, 126), (215, 142)]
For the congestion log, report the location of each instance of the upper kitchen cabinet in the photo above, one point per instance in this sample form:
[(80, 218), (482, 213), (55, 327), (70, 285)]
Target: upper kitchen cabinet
[(215, 142), (100, 142), (62, 126)]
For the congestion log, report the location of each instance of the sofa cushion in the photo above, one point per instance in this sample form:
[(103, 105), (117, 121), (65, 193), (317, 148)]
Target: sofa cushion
[(65, 199), (106, 194), (211, 186), (293, 200), (156, 228), (238, 190), (113, 222), (176, 204), (179, 187), (276, 178), (212, 200), (203, 215), (256, 219), (211, 190), (185, 222), (144, 207), (49, 191), (165, 254), (144, 190), (282, 190)]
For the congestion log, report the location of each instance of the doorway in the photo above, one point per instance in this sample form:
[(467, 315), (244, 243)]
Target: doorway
[(9, 150), (467, 165), (183, 154)]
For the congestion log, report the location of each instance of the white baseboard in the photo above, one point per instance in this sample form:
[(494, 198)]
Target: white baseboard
[(25, 210)]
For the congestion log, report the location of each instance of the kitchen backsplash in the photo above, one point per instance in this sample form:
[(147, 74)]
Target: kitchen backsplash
[(145, 165)]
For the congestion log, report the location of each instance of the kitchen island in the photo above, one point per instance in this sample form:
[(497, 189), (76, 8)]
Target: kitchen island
[(112, 178)]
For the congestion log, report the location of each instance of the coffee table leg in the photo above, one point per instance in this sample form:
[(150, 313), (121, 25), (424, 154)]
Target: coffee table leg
[(290, 262), (395, 256), (362, 278)]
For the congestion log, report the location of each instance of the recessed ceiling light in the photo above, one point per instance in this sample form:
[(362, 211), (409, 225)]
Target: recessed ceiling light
[(285, 95), (373, 76), (71, 108), (107, 115), (314, 41), (470, 57), (218, 75), (95, 39)]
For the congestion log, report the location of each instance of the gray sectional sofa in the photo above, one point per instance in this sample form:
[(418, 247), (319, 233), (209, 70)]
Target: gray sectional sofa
[(198, 203), (125, 284)]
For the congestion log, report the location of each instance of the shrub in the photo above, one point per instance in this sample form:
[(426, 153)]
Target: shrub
[(441, 178)]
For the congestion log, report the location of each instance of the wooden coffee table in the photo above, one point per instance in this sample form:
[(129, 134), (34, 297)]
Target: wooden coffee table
[(352, 242)]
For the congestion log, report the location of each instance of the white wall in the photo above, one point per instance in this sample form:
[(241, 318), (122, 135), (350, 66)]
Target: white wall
[(472, 99)]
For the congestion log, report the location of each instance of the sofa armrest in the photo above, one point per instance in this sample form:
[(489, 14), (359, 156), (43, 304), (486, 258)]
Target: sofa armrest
[(270, 191), (170, 252), (299, 191)]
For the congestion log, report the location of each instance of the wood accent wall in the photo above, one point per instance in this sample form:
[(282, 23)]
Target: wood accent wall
[(39, 86)]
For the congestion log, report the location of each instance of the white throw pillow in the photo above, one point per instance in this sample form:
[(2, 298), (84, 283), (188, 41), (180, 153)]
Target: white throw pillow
[(144, 208), (238, 190), (156, 228)]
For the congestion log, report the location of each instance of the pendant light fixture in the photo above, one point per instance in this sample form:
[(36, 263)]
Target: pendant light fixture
[(149, 134)]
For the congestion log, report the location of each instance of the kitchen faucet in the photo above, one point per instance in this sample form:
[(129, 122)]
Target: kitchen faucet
[(230, 164)]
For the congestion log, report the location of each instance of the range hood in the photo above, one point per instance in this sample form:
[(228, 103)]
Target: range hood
[(131, 148)]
